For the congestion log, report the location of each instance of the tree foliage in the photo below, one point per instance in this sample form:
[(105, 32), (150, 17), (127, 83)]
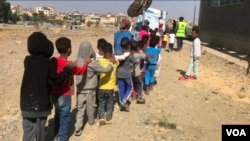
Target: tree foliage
[(4, 11)]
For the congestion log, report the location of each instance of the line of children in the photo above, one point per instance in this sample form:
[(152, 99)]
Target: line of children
[(124, 73)]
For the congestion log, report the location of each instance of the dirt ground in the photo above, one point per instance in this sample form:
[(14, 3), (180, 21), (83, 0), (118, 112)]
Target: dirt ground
[(175, 110)]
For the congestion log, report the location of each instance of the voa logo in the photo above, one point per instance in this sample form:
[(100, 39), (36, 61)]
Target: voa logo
[(236, 132)]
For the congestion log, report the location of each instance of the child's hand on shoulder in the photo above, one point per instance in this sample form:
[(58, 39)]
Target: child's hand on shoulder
[(87, 60), (113, 60), (72, 63)]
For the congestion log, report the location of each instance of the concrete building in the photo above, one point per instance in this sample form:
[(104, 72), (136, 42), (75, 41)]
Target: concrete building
[(48, 11), (225, 23)]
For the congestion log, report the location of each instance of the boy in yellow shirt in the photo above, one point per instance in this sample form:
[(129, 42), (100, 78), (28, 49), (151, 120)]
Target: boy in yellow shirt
[(106, 87)]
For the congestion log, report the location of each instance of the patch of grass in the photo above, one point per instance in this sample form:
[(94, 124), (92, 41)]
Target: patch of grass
[(161, 121), (167, 125)]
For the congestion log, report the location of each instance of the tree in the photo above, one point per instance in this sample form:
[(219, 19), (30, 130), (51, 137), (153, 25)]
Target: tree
[(4, 11), (14, 18), (26, 17)]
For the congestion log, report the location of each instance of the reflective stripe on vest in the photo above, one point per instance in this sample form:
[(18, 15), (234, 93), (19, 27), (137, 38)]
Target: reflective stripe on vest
[(181, 29)]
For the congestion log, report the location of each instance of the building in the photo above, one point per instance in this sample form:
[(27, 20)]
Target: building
[(48, 11), (225, 23), (107, 18)]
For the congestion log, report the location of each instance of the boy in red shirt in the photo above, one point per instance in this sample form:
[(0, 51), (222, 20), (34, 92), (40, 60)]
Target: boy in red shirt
[(61, 95)]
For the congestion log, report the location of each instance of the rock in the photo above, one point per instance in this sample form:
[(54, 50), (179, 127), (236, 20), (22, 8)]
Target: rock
[(18, 42), (215, 92)]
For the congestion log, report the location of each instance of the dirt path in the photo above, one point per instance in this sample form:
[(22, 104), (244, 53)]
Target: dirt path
[(192, 110)]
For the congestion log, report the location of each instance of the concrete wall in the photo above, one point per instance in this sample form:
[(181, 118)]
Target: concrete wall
[(228, 26)]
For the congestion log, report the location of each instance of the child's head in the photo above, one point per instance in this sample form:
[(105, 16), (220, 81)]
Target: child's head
[(195, 31), (154, 41), (63, 45), (165, 32), (144, 27), (100, 43), (141, 45), (107, 50), (125, 44), (145, 39), (134, 46), (39, 45)]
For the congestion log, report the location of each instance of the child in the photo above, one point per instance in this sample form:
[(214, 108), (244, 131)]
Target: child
[(142, 32), (106, 87), (136, 72), (61, 95), (195, 53), (136, 34), (165, 40), (38, 77), (123, 74), (171, 41), (143, 45), (87, 85), (152, 54), (100, 43)]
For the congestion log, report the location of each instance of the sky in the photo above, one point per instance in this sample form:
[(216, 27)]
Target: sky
[(174, 8)]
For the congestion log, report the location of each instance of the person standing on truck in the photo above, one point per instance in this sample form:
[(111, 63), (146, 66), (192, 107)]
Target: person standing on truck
[(180, 32)]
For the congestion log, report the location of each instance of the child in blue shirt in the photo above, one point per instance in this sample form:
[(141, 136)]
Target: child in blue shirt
[(152, 54)]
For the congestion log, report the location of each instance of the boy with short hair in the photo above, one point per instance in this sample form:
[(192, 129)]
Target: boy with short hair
[(106, 86), (136, 72), (100, 43), (123, 74), (61, 95), (152, 53), (195, 53)]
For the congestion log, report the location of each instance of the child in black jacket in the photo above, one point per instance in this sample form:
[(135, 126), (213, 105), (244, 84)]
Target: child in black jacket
[(38, 77)]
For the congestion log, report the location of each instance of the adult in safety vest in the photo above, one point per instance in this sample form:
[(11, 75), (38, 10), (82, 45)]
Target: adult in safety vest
[(180, 32)]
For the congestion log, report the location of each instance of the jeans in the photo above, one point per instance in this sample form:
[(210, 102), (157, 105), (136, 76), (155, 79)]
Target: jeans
[(138, 85), (125, 87), (106, 103), (179, 43), (86, 102), (192, 65), (149, 74), (62, 116)]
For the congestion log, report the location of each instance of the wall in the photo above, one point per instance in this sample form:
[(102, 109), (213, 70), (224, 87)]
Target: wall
[(227, 26)]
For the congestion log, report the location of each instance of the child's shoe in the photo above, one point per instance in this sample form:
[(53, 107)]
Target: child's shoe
[(108, 121), (193, 77), (124, 107), (184, 77), (102, 121), (78, 132), (140, 101), (146, 90)]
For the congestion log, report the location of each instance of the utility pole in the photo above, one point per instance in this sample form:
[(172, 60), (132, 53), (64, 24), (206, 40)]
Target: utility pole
[(194, 13)]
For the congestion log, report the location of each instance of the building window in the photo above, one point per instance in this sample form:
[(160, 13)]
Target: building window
[(213, 3)]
